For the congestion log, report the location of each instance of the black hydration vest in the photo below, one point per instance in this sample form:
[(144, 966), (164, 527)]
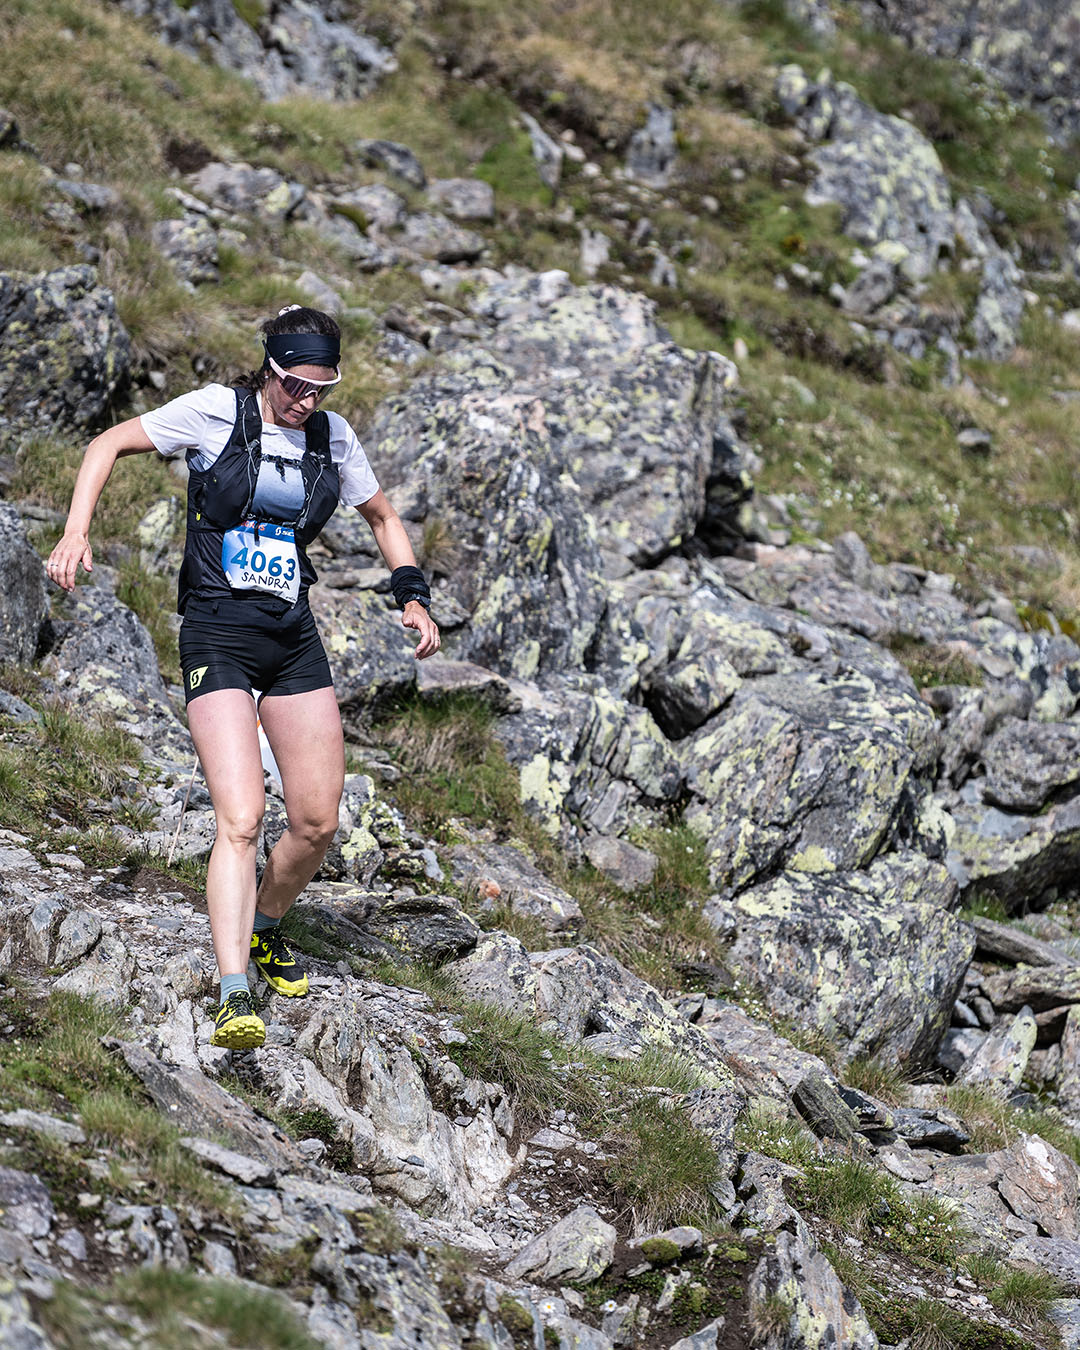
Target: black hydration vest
[(220, 497)]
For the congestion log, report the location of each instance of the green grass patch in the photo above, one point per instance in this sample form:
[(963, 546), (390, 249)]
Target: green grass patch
[(931, 664), (927, 1324), (766, 1128), (514, 1051), (1026, 1295), (65, 770), (994, 1125), (864, 1200), (181, 1309), (983, 905), (56, 1062), (876, 1077), (453, 765), (664, 1166)]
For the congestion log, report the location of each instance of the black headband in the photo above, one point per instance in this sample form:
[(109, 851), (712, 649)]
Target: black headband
[(304, 349)]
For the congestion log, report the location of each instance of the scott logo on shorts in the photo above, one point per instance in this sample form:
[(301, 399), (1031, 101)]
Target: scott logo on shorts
[(195, 678)]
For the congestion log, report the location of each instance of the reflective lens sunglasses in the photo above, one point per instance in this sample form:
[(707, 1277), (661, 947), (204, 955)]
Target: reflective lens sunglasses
[(298, 389)]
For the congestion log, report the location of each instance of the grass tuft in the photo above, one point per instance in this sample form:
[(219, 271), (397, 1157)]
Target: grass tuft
[(664, 1167), (58, 1060), (876, 1078), (767, 1129), (1026, 1295)]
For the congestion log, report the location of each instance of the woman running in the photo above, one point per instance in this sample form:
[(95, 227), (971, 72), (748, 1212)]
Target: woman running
[(267, 468)]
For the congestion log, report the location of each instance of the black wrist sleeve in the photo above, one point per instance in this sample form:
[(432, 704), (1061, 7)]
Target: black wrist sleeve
[(408, 583)]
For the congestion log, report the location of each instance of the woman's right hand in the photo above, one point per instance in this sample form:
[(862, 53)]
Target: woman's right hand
[(64, 560)]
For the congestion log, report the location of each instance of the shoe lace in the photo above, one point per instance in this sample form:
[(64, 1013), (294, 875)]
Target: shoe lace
[(237, 1004), (276, 946)]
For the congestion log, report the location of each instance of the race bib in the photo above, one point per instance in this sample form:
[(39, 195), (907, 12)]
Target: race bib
[(261, 556)]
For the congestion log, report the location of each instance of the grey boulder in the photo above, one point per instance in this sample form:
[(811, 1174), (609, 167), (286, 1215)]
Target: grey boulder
[(873, 958), (22, 598), (65, 355)]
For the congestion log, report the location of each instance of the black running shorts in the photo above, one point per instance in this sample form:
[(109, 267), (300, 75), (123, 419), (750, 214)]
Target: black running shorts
[(232, 644)]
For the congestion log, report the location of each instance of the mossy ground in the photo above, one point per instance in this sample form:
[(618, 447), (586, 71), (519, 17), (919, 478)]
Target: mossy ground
[(704, 1286)]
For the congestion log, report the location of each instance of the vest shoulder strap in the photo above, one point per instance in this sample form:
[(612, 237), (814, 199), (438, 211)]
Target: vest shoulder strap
[(317, 431), (248, 426)]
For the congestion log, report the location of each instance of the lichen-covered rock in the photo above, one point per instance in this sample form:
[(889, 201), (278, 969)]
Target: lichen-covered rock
[(430, 928), (651, 156), (293, 47), (196, 1105), (442, 1161), (463, 198), (1040, 987), (377, 205), (103, 660), (795, 1273), (191, 245), (105, 974), (577, 1249), (632, 413), (499, 874), (805, 772), (477, 457), (370, 653), (1029, 49), (766, 1064), (394, 158), (408, 1308), (874, 959), (1001, 1060), (1026, 860), (1027, 763), (18, 1330), (588, 994), (65, 354), (881, 171), (585, 755), (246, 190), (434, 236), (25, 1204), (22, 598), (578, 430), (628, 866), (1041, 1185)]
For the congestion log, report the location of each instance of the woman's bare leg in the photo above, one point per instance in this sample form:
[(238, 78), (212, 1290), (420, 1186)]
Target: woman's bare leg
[(304, 731), (223, 728)]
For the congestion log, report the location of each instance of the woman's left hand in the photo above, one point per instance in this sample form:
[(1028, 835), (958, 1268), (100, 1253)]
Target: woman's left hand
[(416, 616)]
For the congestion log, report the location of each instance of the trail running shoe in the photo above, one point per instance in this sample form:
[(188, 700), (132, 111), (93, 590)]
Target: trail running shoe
[(237, 1026), (277, 965)]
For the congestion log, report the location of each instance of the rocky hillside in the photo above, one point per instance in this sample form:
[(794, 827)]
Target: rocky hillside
[(697, 963)]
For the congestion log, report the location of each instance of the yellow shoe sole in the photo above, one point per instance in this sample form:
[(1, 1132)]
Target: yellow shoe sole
[(242, 1033), (290, 988)]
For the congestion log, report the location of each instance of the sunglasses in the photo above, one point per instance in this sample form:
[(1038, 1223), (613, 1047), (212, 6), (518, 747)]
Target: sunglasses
[(298, 389)]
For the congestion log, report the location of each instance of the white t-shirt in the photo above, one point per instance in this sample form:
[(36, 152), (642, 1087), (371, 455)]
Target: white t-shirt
[(199, 425)]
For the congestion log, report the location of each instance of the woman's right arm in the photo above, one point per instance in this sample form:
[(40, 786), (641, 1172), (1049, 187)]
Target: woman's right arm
[(126, 438)]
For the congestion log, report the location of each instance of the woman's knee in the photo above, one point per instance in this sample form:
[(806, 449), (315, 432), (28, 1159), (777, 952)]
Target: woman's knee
[(240, 829), (316, 832)]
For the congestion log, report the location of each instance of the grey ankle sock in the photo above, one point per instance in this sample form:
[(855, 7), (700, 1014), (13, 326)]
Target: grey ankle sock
[(263, 922), (230, 984)]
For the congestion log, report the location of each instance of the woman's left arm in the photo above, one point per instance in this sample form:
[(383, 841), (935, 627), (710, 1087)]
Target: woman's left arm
[(394, 545)]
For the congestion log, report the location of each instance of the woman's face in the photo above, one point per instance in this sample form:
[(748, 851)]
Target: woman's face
[(283, 409)]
